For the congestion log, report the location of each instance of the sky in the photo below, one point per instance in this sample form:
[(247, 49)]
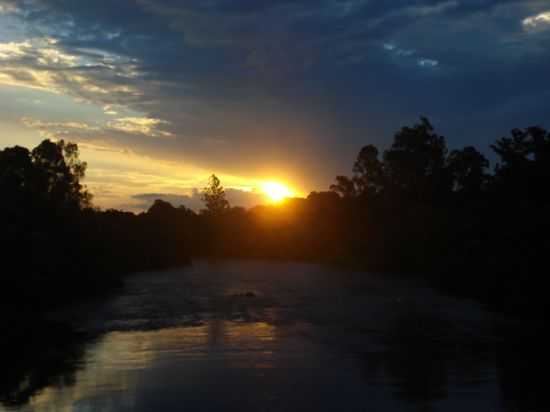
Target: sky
[(159, 94)]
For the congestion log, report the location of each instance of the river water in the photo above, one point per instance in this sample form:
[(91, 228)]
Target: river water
[(264, 336)]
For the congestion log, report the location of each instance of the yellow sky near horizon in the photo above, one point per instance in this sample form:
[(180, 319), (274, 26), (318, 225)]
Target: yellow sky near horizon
[(115, 175), (131, 154)]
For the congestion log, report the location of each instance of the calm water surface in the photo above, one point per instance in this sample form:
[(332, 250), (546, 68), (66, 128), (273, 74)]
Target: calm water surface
[(259, 336)]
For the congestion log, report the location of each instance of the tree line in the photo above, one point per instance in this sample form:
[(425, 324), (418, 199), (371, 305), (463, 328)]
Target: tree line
[(417, 209)]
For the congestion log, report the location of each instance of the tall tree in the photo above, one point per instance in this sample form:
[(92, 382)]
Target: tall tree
[(344, 187), (61, 172), (213, 196), (415, 163), (468, 169), (368, 176), (522, 175), (369, 172)]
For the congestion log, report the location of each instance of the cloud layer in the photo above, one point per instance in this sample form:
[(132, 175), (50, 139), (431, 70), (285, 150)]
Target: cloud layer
[(291, 89)]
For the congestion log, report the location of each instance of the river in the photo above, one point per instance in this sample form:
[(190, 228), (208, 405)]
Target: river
[(265, 336)]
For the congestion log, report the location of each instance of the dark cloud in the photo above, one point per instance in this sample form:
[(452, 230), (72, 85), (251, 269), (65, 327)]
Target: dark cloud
[(254, 86)]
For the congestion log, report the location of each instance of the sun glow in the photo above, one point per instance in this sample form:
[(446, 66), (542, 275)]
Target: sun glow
[(276, 192)]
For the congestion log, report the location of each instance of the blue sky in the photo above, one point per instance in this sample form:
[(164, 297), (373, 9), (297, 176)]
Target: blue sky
[(161, 93)]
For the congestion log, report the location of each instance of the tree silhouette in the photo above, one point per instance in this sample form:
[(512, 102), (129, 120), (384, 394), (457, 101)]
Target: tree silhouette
[(413, 209), (369, 176), (344, 186), (524, 168), (213, 196), (60, 173), (17, 176), (415, 163), (49, 176), (468, 169)]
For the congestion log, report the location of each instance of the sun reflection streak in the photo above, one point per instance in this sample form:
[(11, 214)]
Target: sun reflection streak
[(114, 365)]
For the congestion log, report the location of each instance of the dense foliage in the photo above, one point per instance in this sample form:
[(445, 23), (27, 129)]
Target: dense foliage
[(54, 246), (416, 209)]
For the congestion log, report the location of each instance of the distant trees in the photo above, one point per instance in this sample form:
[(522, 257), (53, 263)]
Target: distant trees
[(419, 208), (416, 208), (417, 167)]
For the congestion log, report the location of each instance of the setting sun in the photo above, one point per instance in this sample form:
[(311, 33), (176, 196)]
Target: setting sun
[(276, 192)]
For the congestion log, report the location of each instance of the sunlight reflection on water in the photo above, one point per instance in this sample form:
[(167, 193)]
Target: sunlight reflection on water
[(257, 336), (221, 361)]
